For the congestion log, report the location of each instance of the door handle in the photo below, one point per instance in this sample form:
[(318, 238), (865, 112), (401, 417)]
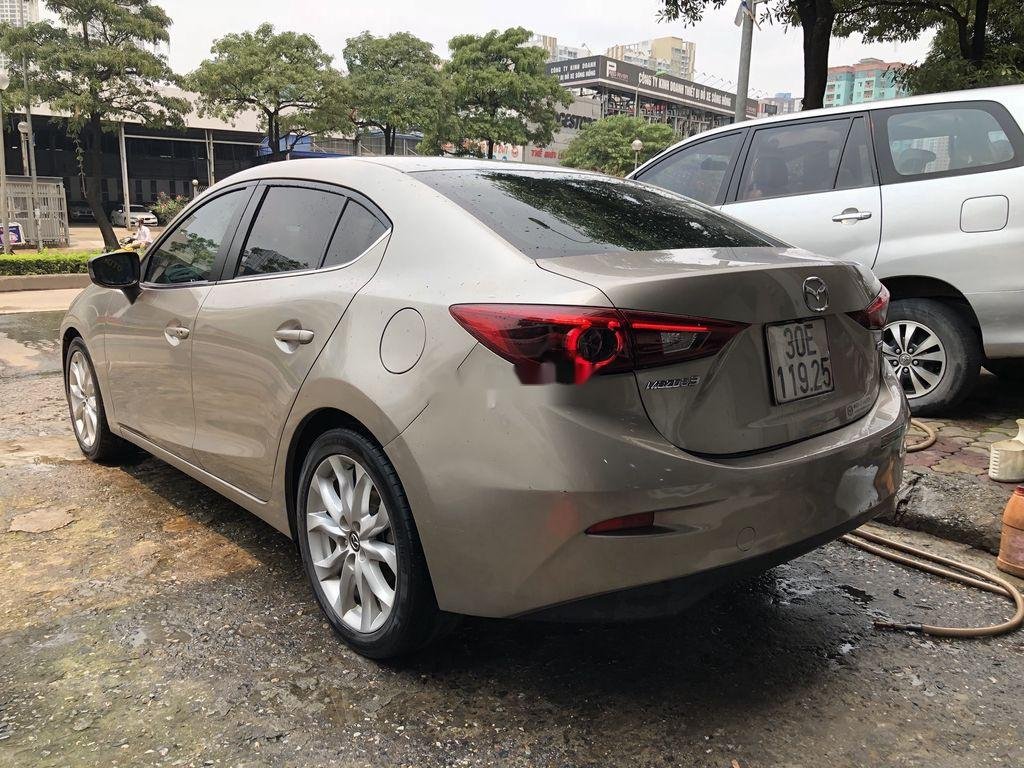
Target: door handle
[(177, 331), (851, 214), (294, 335)]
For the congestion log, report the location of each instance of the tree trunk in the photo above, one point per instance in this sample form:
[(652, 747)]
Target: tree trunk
[(389, 140), (817, 17), (490, 149), (93, 135), (980, 29)]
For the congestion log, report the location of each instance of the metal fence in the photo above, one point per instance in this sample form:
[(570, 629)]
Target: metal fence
[(53, 208)]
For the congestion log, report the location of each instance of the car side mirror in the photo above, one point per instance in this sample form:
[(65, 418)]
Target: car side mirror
[(117, 269)]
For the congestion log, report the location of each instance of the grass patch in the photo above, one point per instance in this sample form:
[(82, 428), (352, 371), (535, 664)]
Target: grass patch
[(47, 262)]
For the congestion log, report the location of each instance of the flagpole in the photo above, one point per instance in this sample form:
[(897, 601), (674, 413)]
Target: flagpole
[(744, 17)]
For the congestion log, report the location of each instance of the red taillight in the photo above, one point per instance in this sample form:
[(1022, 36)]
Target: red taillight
[(570, 344), (640, 522), (873, 316)]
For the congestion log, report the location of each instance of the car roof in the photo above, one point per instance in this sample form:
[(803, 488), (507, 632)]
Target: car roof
[(998, 93)]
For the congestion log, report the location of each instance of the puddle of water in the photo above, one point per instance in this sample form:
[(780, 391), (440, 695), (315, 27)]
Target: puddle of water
[(29, 344)]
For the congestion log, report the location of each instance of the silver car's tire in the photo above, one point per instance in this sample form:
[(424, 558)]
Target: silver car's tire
[(934, 352), (360, 549), (85, 405)]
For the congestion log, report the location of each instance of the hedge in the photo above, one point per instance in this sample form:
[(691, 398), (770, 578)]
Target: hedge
[(45, 263)]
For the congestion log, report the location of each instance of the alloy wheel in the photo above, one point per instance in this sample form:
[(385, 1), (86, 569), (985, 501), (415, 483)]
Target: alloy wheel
[(82, 393), (916, 356), (351, 543)]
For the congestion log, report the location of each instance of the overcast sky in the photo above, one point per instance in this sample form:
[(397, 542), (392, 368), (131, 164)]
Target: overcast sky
[(777, 61)]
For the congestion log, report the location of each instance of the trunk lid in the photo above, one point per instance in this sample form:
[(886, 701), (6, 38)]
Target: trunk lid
[(727, 403)]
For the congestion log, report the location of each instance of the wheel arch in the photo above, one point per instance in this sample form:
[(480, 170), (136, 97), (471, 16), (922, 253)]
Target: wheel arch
[(922, 287), (312, 425)]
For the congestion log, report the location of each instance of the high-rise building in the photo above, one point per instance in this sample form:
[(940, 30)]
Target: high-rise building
[(557, 51), (785, 103), (662, 54), (16, 13), (867, 80)]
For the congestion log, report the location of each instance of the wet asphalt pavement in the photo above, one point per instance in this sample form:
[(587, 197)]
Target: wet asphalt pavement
[(163, 625)]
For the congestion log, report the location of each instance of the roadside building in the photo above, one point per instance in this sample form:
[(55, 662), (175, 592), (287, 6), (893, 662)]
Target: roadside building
[(558, 51), (867, 80), (672, 55), (785, 103)]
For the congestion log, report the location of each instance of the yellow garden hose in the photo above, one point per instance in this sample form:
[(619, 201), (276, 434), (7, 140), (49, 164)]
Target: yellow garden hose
[(873, 543)]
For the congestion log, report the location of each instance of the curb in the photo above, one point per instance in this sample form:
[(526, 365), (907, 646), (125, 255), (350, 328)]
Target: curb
[(43, 282), (955, 507)]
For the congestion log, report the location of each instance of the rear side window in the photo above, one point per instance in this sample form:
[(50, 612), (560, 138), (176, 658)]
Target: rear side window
[(793, 159), (549, 214), (948, 139), (855, 167), (697, 171), (292, 228), (357, 231)]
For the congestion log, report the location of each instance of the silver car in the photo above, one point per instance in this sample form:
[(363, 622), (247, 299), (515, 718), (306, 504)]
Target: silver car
[(927, 191), (467, 388)]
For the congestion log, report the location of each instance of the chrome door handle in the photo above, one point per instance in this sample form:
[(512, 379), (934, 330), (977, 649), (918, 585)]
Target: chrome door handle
[(851, 214), (177, 332), (294, 335)]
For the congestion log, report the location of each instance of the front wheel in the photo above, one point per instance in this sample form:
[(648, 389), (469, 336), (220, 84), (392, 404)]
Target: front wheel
[(85, 403), (360, 549), (934, 353)]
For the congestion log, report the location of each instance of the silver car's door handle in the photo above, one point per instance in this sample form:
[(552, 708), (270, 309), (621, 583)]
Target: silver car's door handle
[(177, 332), (294, 335), (851, 214)]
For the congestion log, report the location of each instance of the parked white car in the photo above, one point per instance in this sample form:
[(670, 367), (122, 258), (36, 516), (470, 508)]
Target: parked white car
[(927, 191), (136, 214)]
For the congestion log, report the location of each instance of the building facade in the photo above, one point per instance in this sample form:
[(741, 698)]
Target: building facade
[(785, 103), (671, 55), (867, 80), (558, 51), (17, 12)]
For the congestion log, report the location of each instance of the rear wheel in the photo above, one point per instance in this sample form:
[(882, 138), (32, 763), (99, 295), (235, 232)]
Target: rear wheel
[(933, 352), (360, 548), (1009, 369)]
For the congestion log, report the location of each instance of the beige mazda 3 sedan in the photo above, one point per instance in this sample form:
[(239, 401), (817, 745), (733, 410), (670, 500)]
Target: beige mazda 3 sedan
[(501, 390)]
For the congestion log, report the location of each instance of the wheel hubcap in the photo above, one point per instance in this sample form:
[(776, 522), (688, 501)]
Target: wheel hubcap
[(351, 543), (82, 395), (916, 356)]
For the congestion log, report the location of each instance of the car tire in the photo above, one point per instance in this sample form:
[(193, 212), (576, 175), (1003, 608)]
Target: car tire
[(1008, 369), (921, 322), (85, 406), (325, 538)]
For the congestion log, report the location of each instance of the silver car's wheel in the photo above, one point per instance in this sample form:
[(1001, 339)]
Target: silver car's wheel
[(351, 543), (916, 355), (82, 394)]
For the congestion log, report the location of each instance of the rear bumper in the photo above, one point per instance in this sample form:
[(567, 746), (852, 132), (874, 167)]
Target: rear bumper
[(502, 501)]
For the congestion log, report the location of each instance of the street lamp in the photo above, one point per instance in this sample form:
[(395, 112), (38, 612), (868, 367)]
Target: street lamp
[(5, 81), (637, 145)]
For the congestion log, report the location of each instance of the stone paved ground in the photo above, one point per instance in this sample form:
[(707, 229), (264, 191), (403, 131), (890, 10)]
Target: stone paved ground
[(947, 490)]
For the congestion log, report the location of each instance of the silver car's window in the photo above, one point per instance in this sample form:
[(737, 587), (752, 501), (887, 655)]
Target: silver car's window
[(188, 254), (793, 159), (855, 167), (357, 231), (550, 214), (697, 171), (290, 231), (946, 138)]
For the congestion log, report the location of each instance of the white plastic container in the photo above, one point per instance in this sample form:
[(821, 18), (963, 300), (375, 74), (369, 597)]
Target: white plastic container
[(1006, 461)]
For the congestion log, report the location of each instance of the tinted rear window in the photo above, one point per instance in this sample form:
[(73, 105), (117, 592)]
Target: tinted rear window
[(548, 214)]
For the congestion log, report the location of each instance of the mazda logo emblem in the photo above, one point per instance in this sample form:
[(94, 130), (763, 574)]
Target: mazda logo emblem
[(815, 294)]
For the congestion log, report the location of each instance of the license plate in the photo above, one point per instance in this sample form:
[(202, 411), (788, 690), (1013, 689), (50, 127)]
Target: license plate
[(800, 360)]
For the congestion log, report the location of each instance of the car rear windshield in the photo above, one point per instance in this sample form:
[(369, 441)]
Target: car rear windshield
[(551, 214)]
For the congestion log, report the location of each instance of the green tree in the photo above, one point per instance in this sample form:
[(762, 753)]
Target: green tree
[(605, 145), (891, 20), (946, 69), (499, 91), (285, 77), (97, 65), (395, 83)]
